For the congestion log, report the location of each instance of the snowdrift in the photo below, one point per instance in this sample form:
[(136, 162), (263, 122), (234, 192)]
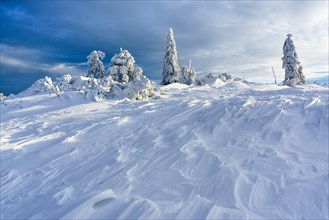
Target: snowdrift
[(96, 89), (234, 152)]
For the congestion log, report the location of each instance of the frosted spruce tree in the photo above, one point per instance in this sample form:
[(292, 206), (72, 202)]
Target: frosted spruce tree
[(187, 75), (293, 69), (170, 63), (128, 79), (122, 67), (95, 65)]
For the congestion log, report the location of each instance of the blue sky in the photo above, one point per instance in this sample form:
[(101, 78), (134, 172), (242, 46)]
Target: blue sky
[(243, 38)]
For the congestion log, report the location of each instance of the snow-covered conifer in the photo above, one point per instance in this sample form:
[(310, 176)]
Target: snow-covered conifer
[(170, 63), (187, 75), (293, 69), (122, 67), (301, 76), (95, 65)]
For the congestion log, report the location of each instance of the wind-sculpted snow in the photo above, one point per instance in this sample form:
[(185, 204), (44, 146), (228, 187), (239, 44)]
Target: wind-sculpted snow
[(231, 152)]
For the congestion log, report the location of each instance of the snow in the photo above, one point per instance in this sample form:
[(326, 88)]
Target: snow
[(222, 151)]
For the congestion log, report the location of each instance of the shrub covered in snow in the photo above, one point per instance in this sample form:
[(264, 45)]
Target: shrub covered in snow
[(219, 79), (141, 89), (122, 67), (170, 63), (51, 86), (95, 65), (224, 77), (211, 77), (187, 75), (39, 86), (64, 83), (293, 69)]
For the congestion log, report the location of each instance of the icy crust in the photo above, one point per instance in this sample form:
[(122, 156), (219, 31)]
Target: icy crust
[(234, 152)]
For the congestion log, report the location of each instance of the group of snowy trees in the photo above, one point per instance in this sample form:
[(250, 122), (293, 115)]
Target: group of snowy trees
[(122, 68), (171, 72), (124, 80), (122, 76)]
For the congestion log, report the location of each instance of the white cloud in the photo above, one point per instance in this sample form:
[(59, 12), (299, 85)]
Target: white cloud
[(30, 59)]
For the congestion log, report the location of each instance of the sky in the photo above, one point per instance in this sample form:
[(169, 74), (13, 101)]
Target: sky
[(242, 38)]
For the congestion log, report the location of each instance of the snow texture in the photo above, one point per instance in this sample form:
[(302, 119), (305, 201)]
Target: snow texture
[(95, 65), (293, 69), (171, 68), (238, 151)]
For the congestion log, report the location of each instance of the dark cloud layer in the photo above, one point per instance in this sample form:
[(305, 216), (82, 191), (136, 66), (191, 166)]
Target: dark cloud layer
[(41, 38)]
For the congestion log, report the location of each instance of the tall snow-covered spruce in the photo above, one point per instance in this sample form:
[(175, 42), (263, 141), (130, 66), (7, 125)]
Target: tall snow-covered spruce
[(170, 63), (95, 65), (290, 62)]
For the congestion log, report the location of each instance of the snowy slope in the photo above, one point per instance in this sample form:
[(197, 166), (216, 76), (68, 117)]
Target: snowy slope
[(229, 151)]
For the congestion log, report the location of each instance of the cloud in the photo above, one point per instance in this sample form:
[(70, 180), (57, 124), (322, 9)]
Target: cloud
[(21, 66), (239, 37), (27, 58)]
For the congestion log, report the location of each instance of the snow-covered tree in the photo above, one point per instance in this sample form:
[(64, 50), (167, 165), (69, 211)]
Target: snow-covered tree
[(293, 69), (170, 63), (187, 75), (301, 76), (122, 67), (95, 65)]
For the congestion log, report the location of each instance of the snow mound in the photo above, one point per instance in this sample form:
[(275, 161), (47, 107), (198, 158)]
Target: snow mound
[(175, 86), (233, 152), (219, 80), (140, 88)]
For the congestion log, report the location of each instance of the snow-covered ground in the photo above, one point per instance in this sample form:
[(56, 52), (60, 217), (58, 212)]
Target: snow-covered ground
[(230, 151)]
